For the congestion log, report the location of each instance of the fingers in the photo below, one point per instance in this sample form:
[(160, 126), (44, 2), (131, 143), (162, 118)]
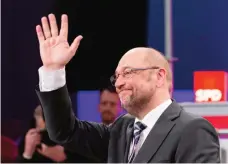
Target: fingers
[(36, 139), (75, 44), (39, 33), (35, 136), (46, 29), (39, 150), (64, 26), (60, 148), (53, 24), (43, 148), (33, 139), (33, 131)]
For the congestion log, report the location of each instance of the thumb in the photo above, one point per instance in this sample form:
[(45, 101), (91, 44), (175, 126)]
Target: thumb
[(39, 150), (75, 44), (43, 146)]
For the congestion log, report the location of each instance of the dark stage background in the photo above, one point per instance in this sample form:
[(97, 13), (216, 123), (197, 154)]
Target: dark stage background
[(110, 28)]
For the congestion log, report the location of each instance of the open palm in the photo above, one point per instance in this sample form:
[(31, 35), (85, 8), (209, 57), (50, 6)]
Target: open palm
[(55, 50)]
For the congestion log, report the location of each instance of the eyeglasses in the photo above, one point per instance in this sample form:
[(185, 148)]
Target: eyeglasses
[(128, 73)]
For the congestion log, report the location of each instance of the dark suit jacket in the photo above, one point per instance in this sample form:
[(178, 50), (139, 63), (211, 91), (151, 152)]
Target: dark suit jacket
[(177, 136)]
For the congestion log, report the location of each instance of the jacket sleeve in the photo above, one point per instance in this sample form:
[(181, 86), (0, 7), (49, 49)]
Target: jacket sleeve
[(199, 143), (86, 138)]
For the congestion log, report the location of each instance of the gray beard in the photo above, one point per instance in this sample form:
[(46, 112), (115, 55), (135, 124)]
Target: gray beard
[(136, 105)]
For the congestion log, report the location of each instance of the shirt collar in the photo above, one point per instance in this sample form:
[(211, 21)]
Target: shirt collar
[(152, 117)]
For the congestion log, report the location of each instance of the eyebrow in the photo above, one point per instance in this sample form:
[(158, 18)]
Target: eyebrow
[(124, 68)]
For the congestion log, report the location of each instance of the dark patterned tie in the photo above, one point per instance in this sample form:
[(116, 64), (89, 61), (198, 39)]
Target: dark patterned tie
[(138, 128)]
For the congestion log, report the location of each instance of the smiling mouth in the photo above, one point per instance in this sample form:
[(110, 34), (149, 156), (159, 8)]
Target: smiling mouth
[(124, 91)]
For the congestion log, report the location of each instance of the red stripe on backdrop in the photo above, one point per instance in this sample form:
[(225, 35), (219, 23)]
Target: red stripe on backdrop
[(220, 122)]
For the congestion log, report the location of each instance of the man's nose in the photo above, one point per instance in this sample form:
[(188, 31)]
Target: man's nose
[(107, 106), (120, 82)]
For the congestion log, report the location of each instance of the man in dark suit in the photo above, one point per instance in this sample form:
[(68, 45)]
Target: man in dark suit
[(156, 128)]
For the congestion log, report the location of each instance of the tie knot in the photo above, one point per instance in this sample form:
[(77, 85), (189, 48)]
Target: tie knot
[(139, 127)]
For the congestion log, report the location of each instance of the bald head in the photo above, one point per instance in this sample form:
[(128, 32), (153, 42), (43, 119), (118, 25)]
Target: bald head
[(142, 57)]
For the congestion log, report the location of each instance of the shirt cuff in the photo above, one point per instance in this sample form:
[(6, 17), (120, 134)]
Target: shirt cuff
[(25, 156), (50, 80)]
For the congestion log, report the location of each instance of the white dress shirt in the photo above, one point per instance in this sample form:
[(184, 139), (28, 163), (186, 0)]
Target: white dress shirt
[(149, 120), (51, 80)]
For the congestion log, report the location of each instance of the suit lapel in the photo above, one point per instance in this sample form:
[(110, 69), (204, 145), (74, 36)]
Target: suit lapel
[(120, 138), (158, 134), (128, 140), (153, 141)]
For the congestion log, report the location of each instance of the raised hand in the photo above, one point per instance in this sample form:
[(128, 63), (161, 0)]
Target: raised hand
[(55, 50)]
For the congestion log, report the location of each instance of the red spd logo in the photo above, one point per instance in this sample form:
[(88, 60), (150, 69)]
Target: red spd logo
[(210, 86)]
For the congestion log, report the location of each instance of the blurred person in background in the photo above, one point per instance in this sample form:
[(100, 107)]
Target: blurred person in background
[(36, 146), (109, 106)]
